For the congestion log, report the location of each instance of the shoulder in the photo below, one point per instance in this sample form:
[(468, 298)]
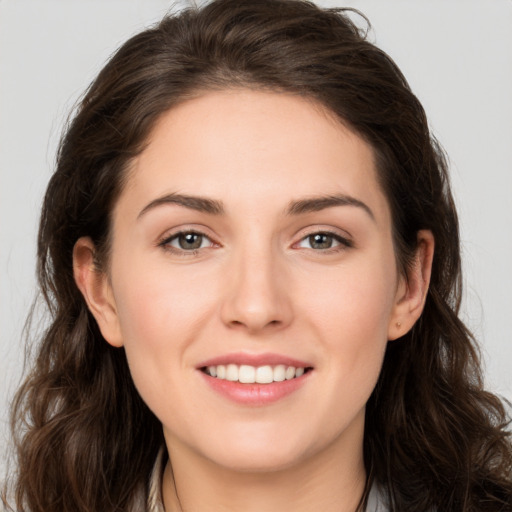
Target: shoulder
[(155, 501), (377, 501)]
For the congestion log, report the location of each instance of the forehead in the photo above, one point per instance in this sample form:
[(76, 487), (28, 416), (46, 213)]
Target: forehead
[(253, 148)]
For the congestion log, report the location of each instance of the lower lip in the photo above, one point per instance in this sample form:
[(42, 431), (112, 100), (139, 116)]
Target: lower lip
[(255, 394)]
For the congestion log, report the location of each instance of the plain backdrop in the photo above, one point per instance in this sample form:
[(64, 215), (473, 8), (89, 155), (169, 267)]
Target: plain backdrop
[(457, 56)]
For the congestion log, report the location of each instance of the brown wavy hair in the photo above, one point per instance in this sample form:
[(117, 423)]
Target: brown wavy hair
[(85, 440)]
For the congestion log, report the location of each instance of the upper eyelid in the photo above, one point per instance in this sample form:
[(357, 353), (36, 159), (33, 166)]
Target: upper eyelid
[(336, 232), (173, 233), (342, 240), (165, 243), (187, 232)]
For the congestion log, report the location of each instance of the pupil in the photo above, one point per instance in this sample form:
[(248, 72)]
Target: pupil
[(320, 241), (190, 241)]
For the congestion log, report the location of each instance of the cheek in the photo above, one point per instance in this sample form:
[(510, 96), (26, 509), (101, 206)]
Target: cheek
[(157, 306), (352, 318), (160, 315), (355, 302)]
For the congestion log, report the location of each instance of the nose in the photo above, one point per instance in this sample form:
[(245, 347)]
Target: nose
[(257, 293)]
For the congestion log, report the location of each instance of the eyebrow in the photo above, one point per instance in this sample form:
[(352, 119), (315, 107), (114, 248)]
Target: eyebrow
[(200, 204), (317, 203), (298, 207)]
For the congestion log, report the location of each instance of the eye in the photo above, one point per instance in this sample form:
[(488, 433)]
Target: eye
[(323, 241), (186, 241)]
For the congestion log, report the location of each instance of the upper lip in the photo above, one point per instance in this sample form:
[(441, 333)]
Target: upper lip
[(256, 360)]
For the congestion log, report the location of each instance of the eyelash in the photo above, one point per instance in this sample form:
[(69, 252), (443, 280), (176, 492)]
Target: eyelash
[(165, 243), (344, 243)]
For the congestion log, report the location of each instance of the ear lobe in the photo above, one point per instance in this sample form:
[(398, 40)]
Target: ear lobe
[(96, 290), (413, 288)]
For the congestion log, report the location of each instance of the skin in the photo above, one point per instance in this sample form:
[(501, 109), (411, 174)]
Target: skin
[(257, 284)]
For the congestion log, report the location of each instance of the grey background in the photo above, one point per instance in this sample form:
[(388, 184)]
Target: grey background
[(457, 56)]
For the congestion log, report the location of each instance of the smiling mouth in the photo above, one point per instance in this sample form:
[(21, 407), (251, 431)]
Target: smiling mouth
[(247, 374)]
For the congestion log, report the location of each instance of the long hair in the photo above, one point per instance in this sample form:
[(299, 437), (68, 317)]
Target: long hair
[(84, 438)]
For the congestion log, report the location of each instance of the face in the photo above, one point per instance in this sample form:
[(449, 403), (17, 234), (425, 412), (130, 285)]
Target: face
[(253, 242)]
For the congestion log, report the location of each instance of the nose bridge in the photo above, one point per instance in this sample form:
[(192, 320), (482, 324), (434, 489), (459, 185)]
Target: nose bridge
[(256, 295)]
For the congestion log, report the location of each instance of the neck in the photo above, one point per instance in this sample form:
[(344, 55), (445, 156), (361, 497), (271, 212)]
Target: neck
[(332, 480)]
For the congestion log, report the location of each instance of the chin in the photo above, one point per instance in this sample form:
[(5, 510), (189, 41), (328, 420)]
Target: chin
[(250, 455), (252, 462)]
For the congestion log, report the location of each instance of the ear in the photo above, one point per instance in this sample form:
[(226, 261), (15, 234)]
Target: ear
[(412, 289), (97, 291)]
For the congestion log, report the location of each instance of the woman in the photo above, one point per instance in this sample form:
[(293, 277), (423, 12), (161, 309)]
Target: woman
[(250, 251)]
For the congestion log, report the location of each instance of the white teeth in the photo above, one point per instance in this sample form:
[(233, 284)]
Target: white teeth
[(264, 375), (279, 373), (249, 374), (232, 372), (221, 371), (290, 373)]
